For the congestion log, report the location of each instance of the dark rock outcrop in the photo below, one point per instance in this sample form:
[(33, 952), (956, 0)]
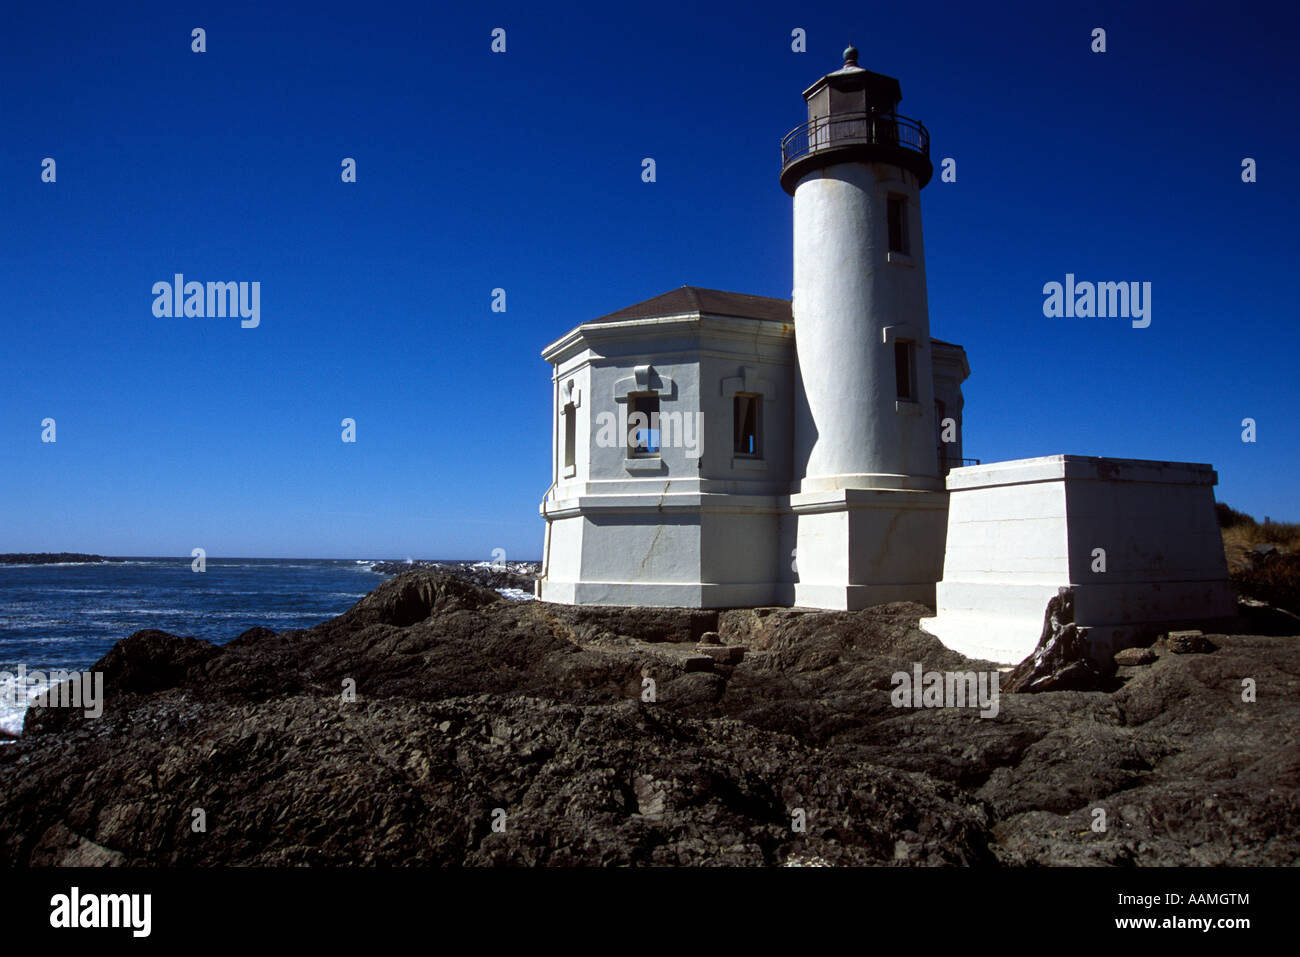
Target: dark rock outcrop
[(1188, 643), (520, 575), (152, 661), (412, 598), (1134, 657), (595, 746)]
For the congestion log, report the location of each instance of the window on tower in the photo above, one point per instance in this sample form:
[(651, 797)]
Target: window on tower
[(745, 426), (904, 369), (897, 215)]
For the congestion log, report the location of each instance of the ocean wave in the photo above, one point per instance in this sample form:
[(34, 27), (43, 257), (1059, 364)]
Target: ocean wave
[(123, 612), (75, 617), (11, 713), (57, 590), (26, 621)]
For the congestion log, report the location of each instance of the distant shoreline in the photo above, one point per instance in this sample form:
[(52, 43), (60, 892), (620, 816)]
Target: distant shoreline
[(68, 558), (53, 558)]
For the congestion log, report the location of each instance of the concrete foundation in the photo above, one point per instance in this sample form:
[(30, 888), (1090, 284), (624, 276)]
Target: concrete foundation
[(1137, 540)]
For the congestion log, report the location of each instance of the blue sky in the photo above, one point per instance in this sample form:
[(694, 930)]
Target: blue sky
[(522, 171)]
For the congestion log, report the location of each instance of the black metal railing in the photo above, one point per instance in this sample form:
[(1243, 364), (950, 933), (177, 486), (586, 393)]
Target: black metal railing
[(946, 464), (845, 129)]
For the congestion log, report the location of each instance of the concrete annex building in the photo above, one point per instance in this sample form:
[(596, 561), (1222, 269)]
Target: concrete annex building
[(716, 449)]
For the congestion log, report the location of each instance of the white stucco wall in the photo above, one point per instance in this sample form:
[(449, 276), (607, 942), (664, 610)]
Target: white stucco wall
[(950, 371), (861, 547), (680, 528), (848, 290), (1020, 530), (718, 530)]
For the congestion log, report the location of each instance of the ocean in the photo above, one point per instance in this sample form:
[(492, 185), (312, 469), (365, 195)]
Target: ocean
[(68, 616)]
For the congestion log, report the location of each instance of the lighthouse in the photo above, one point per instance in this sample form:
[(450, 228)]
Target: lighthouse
[(868, 504), (716, 449), (808, 451)]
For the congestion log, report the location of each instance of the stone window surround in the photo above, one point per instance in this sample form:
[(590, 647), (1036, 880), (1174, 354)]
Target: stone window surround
[(570, 398), (749, 381), (642, 381)]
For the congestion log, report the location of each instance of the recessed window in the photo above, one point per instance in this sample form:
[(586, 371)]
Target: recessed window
[(897, 215), (643, 424), (904, 369), (745, 425), (570, 435)]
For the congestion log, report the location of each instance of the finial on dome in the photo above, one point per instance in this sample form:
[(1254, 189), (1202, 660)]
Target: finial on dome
[(851, 55)]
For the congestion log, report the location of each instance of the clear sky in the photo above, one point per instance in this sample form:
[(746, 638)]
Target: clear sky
[(522, 170)]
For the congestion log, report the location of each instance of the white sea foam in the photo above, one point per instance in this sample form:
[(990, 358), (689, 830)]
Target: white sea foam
[(275, 615), (11, 716), (124, 612)]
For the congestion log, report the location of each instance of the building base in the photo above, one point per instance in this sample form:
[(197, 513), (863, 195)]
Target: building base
[(683, 550), (841, 549), (659, 594), (860, 547), (1138, 542)]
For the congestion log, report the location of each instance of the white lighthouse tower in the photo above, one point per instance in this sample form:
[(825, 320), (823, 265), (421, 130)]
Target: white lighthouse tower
[(868, 505)]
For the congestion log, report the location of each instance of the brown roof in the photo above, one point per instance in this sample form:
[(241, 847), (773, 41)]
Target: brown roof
[(712, 302)]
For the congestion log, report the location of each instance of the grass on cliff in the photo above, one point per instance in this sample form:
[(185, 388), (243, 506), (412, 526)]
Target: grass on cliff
[(1275, 577)]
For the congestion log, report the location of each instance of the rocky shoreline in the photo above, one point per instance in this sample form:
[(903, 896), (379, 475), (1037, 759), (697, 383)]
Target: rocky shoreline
[(488, 732), (517, 575)]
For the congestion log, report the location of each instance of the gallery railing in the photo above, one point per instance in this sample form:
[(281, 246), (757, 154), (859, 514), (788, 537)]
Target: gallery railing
[(845, 129)]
